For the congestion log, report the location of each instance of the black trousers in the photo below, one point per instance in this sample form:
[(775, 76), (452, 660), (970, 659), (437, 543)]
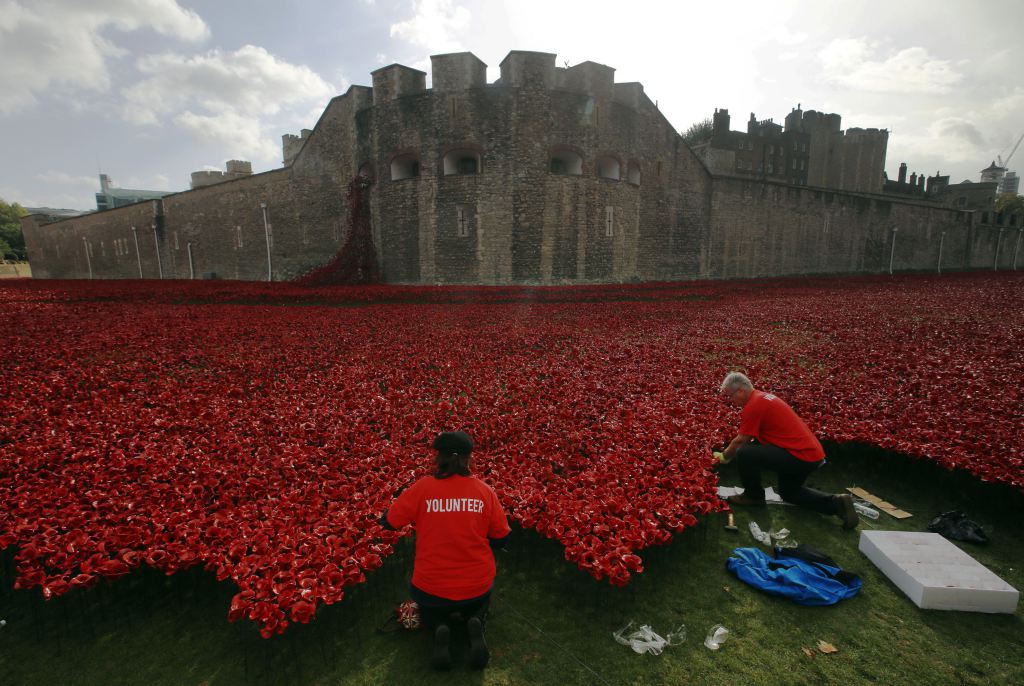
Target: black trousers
[(435, 610), (753, 457)]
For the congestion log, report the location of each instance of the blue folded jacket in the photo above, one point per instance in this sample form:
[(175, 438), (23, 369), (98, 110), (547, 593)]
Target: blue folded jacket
[(803, 582)]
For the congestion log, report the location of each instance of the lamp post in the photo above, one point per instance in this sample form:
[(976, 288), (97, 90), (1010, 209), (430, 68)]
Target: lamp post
[(138, 255), (88, 259), (156, 244), (942, 239), (892, 250), (191, 264), (266, 231), (999, 242), (1016, 248)]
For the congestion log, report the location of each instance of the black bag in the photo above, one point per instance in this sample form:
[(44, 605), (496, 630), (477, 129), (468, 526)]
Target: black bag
[(814, 556), (809, 554), (955, 526)]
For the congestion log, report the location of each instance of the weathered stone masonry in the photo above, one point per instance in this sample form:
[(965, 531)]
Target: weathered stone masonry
[(547, 175)]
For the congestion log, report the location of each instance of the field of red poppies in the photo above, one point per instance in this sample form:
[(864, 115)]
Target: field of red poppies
[(259, 430)]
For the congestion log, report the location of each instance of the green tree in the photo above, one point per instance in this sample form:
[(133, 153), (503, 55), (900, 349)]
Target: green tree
[(1010, 203), (698, 133), (12, 242)]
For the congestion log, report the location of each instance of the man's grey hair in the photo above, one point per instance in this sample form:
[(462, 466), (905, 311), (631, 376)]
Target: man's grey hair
[(735, 381)]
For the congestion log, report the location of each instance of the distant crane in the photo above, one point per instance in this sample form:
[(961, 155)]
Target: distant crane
[(1005, 163)]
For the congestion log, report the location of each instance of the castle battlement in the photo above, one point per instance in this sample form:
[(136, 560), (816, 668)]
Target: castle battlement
[(457, 71)]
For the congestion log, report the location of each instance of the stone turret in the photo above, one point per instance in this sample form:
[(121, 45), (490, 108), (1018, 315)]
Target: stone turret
[(631, 93), (457, 71), (291, 144), (588, 77), (234, 169), (525, 69), (395, 81)]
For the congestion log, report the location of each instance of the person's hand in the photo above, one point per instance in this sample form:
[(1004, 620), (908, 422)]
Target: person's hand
[(720, 457)]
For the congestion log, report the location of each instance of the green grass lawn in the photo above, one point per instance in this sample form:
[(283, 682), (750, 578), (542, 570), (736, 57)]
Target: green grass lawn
[(551, 624)]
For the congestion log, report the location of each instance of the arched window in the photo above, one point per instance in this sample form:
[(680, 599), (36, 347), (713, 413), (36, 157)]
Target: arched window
[(633, 173), (609, 168), (461, 161), (405, 167), (566, 161)]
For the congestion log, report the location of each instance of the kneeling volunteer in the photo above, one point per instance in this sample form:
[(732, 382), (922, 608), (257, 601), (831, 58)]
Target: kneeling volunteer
[(771, 436), (458, 520)]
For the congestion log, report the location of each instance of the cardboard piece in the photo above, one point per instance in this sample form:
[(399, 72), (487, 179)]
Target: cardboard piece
[(936, 574), (885, 506)]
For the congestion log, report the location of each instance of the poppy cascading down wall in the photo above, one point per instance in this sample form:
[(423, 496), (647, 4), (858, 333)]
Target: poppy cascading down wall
[(356, 262)]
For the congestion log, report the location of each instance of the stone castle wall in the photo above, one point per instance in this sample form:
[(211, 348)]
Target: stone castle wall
[(514, 221), (767, 229)]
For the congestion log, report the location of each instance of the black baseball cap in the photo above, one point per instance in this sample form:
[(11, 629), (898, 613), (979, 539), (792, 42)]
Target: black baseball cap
[(457, 442)]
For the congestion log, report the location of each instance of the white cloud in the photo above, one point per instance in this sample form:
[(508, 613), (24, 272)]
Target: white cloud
[(848, 62), (249, 79), (786, 37), (224, 97), (241, 135), (946, 141), (161, 182), (11, 194), (1009, 105), (59, 178), (157, 182), (49, 198), (49, 43), (433, 25), (958, 129), (342, 80)]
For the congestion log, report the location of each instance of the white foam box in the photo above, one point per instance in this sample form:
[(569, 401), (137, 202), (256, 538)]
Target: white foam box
[(936, 574)]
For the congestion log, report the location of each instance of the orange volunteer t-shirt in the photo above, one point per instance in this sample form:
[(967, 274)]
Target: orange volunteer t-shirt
[(770, 420), (453, 518)]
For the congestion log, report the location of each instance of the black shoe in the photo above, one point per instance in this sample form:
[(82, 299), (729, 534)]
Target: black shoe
[(441, 658), (743, 501), (478, 653), (845, 511)]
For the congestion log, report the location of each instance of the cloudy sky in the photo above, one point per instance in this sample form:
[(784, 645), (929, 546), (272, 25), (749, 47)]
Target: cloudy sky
[(148, 91)]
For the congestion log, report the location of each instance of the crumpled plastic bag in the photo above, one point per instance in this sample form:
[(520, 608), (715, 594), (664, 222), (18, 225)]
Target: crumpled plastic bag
[(782, 538), (646, 640), (956, 526), (759, 535), (716, 637)]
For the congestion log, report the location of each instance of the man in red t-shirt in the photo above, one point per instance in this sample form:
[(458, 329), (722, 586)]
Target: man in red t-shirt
[(771, 436), (458, 520)]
